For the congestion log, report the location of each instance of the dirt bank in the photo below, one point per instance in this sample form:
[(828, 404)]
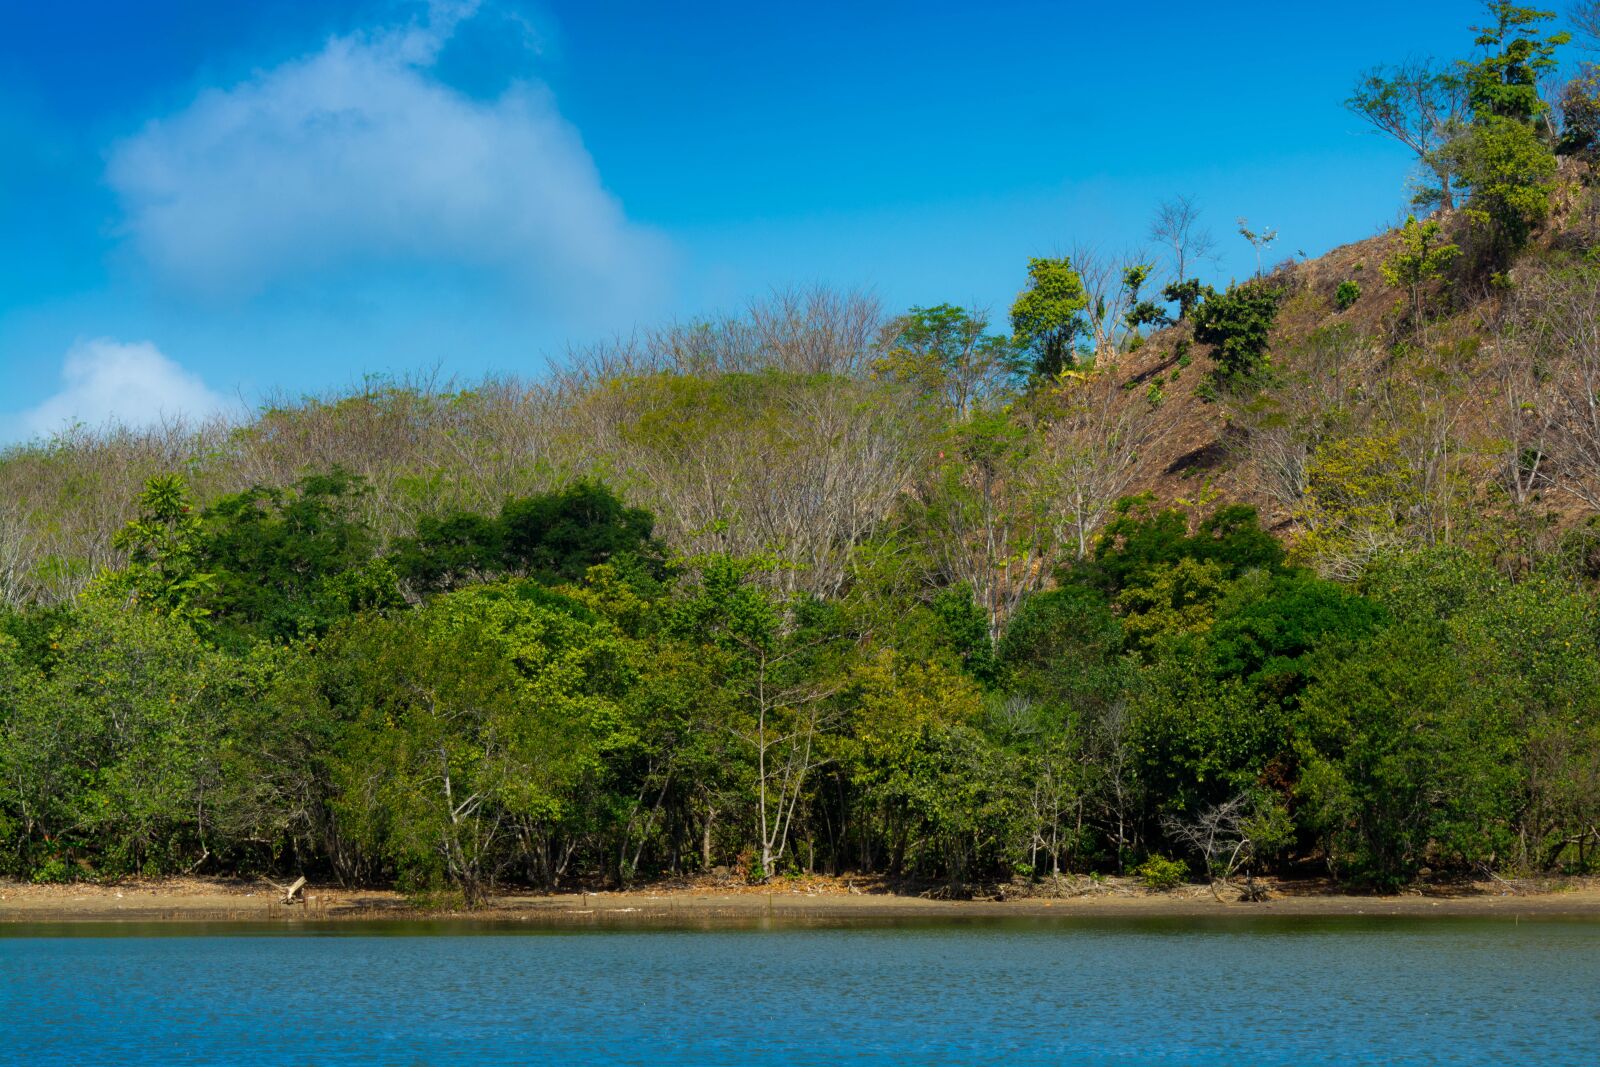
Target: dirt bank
[(815, 900)]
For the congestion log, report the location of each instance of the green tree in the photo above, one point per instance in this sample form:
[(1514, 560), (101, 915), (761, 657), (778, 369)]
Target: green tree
[(556, 537), (552, 537), (1423, 255), (1238, 324), (1421, 106), (778, 667), (166, 565), (109, 762), (1580, 114), (1504, 84), (1140, 312), (479, 735), (1400, 761), (1048, 315), (1508, 170), (947, 352), (908, 722), (1187, 293), (289, 562), (428, 762), (1141, 541)]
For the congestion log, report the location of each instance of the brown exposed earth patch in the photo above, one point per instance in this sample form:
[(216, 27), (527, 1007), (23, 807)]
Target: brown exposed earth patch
[(801, 901)]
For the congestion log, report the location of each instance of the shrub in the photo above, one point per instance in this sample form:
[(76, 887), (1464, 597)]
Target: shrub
[(1346, 295), (1237, 324), (1423, 255), (1159, 873), (1510, 173)]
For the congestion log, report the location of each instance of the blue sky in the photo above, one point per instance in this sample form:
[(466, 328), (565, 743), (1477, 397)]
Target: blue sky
[(206, 203)]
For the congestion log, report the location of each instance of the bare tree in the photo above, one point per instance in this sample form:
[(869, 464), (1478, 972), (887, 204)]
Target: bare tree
[(1093, 439), (1562, 327), (74, 490), (1176, 227), (1424, 402), (1113, 284), (988, 517), (1585, 19), (1230, 836), (14, 590), (1310, 398), (1526, 420), (817, 331), (789, 712), (800, 469), (794, 331), (1400, 474), (799, 454)]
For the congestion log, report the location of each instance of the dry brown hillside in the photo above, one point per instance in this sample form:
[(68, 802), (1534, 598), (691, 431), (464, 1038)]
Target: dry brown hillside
[(1483, 381), (773, 430)]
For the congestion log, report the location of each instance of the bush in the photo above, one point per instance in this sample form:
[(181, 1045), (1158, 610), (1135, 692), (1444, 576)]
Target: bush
[(1346, 295), (1510, 173), (52, 871), (1237, 324), (1159, 873)]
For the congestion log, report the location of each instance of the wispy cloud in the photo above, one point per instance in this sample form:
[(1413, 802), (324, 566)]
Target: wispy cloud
[(107, 382), (357, 156)]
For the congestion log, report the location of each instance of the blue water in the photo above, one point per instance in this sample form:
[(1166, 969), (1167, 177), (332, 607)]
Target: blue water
[(1172, 992)]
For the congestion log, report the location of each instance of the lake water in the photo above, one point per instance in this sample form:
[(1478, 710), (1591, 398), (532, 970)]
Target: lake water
[(1256, 991)]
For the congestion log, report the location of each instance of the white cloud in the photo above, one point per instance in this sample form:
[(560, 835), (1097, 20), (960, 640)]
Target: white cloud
[(357, 157), (108, 382)]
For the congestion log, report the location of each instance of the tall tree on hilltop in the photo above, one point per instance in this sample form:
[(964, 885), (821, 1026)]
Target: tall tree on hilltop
[(1049, 314), (1505, 82), (1176, 226), (1422, 107)]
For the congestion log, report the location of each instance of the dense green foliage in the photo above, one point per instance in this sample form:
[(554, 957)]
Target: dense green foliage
[(565, 710), (1481, 126), (551, 538), (819, 588), (1238, 324), (1423, 256), (1049, 314)]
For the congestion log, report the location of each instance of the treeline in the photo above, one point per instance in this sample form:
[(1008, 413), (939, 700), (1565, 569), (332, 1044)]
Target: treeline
[(543, 697), (816, 586)]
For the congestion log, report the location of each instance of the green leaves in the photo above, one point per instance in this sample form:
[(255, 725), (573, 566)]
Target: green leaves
[(268, 563), (1399, 757), (1423, 255), (111, 758), (1504, 84), (1237, 324), (1509, 171), (165, 551), (1048, 315), (947, 353)]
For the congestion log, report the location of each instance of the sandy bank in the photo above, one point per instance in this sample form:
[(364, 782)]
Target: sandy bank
[(820, 901)]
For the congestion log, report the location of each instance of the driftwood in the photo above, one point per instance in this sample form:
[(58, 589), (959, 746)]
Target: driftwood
[(291, 891)]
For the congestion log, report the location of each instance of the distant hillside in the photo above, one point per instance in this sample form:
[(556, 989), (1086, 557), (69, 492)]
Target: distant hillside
[(780, 429), (1489, 377)]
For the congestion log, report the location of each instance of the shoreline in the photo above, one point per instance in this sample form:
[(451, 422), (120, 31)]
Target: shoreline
[(819, 902)]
